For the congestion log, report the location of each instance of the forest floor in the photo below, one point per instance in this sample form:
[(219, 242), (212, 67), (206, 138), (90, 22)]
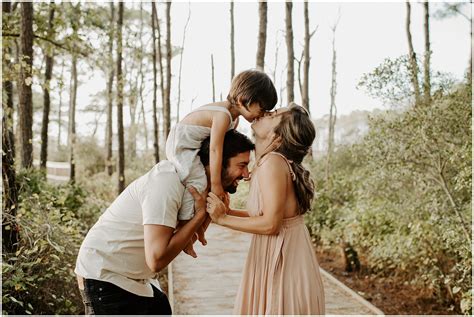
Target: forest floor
[(389, 294)]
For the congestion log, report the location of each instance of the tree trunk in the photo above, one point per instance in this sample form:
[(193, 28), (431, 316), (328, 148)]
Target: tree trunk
[(290, 78), (120, 82), (25, 98), (156, 143), (181, 62), (232, 44), (61, 86), (332, 109), (142, 88), (46, 100), (109, 164), (426, 68), (73, 97), (412, 56), (167, 104), (160, 61), (10, 234), (262, 35), (213, 82), (305, 93), (72, 119)]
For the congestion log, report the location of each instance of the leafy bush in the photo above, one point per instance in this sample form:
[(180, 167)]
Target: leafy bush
[(39, 277), (402, 197)]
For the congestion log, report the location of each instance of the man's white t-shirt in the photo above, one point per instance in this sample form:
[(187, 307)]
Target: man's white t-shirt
[(114, 249)]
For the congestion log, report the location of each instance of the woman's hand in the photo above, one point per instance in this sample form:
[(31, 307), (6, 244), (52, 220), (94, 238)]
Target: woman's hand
[(216, 208)]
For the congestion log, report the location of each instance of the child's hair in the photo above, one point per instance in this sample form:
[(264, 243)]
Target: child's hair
[(297, 133), (253, 86)]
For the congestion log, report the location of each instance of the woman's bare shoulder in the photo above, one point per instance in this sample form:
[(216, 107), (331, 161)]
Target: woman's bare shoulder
[(274, 164)]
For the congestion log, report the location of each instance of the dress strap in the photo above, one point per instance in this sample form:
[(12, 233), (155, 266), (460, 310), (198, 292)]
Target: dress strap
[(288, 162), (217, 108)]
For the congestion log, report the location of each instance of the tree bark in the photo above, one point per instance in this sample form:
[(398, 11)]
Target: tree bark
[(412, 56), (46, 99), (181, 63), (10, 235), (167, 104), (213, 82), (426, 68), (156, 143), (72, 119), (290, 78), (61, 86), (120, 82), (306, 56), (109, 164), (232, 44), (262, 34), (25, 98), (332, 109)]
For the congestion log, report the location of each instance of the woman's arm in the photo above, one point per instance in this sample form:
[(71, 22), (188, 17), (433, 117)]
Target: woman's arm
[(238, 213), (273, 177)]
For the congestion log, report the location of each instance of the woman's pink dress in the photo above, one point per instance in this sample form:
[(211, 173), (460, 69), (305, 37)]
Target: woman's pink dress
[(281, 274)]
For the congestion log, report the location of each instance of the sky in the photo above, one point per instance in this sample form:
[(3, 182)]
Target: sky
[(367, 33)]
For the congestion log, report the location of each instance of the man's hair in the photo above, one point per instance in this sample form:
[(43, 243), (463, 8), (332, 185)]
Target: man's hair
[(253, 86), (234, 144)]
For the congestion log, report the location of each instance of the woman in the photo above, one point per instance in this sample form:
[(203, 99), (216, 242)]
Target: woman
[(281, 274)]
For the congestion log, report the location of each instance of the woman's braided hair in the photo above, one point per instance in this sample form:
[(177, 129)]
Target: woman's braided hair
[(296, 133)]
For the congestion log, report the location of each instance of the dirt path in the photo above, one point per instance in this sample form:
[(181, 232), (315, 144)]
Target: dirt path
[(208, 285)]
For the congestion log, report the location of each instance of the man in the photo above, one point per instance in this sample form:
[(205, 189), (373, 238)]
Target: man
[(135, 238)]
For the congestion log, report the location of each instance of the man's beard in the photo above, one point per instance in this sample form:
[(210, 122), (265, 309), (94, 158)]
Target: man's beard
[(228, 183)]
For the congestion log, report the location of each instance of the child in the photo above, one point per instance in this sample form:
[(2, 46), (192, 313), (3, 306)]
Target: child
[(251, 94)]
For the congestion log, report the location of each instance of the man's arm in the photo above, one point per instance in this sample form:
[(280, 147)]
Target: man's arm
[(162, 245)]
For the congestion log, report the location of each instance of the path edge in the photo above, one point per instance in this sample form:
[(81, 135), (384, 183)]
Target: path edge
[(170, 286), (352, 293)]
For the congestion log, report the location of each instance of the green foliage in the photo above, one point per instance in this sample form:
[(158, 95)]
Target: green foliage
[(52, 220), (391, 82), (402, 197)]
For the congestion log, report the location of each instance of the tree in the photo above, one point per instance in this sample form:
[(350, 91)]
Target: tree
[(262, 34), (426, 68), (167, 104), (453, 9), (46, 87), (306, 56), (232, 44), (120, 82), (212, 80), (156, 143), (181, 62), (25, 98), (73, 95), (109, 132), (10, 234), (290, 79), (412, 56), (61, 87), (332, 108)]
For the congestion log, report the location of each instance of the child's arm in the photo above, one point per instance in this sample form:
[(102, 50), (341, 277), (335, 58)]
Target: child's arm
[(220, 124)]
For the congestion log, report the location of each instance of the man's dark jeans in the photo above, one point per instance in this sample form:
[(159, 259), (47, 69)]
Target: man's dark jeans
[(103, 298)]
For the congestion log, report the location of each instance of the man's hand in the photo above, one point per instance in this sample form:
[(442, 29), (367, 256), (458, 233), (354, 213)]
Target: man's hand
[(199, 200)]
